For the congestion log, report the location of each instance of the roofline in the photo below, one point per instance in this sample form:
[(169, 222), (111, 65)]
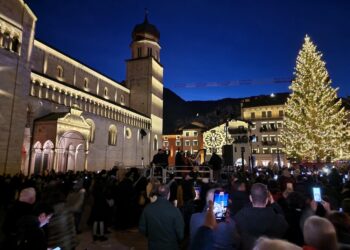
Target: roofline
[(85, 67), (89, 93), (29, 10), (255, 106)]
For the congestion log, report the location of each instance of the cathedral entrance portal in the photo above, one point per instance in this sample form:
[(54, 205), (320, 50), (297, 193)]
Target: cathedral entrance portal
[(61, 142)]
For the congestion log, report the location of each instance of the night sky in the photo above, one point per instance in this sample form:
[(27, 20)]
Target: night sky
[(204, 42)]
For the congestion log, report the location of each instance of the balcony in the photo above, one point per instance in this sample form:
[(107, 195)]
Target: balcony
[(237, 131), (268, 129), (240, 140), (269, 143)]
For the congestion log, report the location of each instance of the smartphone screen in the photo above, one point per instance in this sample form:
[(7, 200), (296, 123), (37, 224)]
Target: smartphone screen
[(220, 205), (317, 194)]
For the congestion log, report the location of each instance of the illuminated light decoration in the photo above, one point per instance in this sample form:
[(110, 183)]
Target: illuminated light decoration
[(315, 124), (214, 140)]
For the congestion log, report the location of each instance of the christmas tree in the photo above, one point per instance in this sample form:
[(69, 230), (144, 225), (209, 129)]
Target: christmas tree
[(315, 124)]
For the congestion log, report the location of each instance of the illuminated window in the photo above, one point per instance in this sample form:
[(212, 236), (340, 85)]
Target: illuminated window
[(59, 71), (253, 126)]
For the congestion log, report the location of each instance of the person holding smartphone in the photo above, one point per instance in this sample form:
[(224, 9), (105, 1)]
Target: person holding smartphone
[(225, 228)]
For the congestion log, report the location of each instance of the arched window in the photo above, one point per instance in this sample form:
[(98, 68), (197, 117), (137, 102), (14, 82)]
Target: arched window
[(155, 143), (47, 161), (106, 92), (59, 71), (86, 83), (112, 135), (92, 129), (15, 45)]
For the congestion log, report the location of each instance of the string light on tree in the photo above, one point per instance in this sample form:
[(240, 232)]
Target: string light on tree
[(315, 124)]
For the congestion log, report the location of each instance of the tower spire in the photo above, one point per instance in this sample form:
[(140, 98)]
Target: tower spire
[(146, 15)]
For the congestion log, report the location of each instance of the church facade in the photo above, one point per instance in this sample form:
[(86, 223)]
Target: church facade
[(57, 113)]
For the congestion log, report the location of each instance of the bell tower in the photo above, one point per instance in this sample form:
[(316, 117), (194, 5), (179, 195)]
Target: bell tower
[(144, 78)]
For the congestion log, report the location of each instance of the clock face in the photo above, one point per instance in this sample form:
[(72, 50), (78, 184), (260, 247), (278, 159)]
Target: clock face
[(214, 140)]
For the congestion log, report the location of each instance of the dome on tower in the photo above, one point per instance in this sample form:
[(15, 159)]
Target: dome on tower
[(146, 31)]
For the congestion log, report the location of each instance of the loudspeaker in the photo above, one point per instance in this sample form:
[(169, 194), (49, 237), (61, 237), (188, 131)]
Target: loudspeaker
[(227, 155)]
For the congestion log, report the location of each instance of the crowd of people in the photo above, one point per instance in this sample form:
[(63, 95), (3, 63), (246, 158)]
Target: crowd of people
[(267, 209)]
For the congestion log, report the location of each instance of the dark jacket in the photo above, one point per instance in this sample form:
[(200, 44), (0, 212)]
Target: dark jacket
[(14, 214), (215, 161), (29, 235), (255, 222), (239, 200), (162, 224)]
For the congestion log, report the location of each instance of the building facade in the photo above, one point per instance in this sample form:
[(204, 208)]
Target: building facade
[(58, 113), (189, 139), (230, 141), (265, 115)]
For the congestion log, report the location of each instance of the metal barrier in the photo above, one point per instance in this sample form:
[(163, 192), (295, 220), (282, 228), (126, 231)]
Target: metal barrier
[(203, 172), (163, 173)]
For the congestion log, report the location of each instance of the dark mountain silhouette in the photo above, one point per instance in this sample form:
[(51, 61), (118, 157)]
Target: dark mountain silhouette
[(178, 112)]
